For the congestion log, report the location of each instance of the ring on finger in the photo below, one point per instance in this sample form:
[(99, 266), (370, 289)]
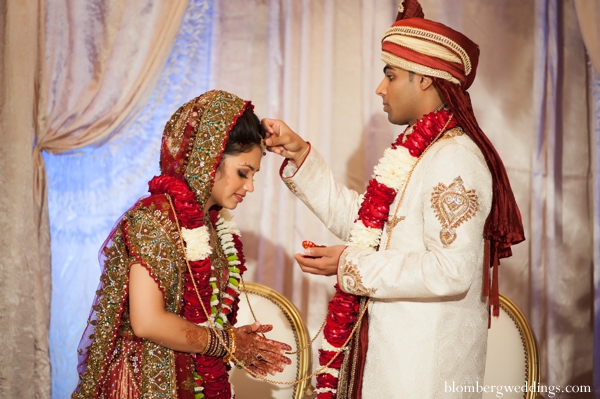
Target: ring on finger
[(259, 357)]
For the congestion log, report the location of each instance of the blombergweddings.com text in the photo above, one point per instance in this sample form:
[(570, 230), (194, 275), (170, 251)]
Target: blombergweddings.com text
[(549, 391)]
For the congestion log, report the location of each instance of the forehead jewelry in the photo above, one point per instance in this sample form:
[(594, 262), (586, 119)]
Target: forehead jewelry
[(263, 146)]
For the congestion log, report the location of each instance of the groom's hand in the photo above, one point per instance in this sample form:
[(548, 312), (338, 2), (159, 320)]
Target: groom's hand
[(320, 260), (282, 140)]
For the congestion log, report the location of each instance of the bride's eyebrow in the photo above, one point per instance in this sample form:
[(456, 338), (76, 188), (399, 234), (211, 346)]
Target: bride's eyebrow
[(252, 168)]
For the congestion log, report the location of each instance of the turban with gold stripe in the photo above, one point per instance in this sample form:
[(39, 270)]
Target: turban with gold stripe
[(431, 49)]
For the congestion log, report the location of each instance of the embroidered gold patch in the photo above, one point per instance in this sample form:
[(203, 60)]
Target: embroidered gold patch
[(290, 185), (352, 280), (457, 131), (453, 205)]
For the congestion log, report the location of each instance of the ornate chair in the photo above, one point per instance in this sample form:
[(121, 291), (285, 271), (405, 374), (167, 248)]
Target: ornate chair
[(512, 354), (270, 307)]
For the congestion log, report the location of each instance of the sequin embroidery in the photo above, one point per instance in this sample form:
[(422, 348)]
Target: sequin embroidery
[(453, 205)]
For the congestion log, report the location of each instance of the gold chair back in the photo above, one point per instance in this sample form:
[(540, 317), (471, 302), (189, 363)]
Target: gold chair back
[(270, 307), (512, 354)]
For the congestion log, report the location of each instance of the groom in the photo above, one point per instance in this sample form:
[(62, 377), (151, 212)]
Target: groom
[(419, 274)]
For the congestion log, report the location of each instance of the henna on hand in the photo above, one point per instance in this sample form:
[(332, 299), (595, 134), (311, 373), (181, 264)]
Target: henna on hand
[(198, 337), (260, 354)]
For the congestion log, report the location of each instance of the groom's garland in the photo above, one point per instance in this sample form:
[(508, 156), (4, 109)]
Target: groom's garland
[(390, 176), (211, 375)]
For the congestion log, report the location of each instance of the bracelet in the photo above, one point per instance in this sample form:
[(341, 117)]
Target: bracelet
[(231, 347), (215, 349), (301, 157)]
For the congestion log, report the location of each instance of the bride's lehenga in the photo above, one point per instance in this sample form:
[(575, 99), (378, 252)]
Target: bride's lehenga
[(113, 362)]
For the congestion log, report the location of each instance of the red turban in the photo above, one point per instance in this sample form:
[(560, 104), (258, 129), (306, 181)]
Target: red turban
[(432, 49)]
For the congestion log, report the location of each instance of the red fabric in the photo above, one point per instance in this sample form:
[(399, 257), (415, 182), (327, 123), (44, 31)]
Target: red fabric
[(412, 8), (185, 372), (173, 165), (454, 69), (503, 227), (363, 347), (464, 42)]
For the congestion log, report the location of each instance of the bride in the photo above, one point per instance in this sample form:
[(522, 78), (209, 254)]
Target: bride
[(161, 324)]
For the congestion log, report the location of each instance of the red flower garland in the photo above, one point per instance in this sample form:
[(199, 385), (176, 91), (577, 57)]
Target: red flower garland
[(213, 370), (374, 212)]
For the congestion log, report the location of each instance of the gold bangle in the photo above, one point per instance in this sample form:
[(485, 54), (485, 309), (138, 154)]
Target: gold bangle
[(208, 340), (298, 163), (232, 346)]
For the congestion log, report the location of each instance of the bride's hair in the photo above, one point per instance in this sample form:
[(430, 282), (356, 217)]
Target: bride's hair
[(245, 135)]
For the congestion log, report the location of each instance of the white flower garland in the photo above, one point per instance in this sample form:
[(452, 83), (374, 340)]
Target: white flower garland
[(198, 248), (197, 245), (226, 229), (392, 171)]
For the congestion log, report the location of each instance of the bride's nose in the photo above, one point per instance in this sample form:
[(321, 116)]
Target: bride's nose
[(249, 185)]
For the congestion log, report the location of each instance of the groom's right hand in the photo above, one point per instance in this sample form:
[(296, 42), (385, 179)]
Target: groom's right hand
[(282, 140)]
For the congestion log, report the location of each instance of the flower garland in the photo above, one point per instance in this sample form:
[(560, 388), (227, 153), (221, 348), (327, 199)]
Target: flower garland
[(211, 375), (390, 176)]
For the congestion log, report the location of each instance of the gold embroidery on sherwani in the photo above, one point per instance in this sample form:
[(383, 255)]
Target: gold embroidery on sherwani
[(290, 185), (351, 279), (453, 205), (457, 131), (392, 223)]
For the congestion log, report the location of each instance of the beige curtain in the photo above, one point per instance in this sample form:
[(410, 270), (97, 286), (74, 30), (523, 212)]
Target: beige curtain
[(73, 74), (24, 266), (588, 16), (316, 65)]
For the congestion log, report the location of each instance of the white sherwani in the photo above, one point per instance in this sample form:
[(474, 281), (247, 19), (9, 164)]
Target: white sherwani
[(427, 317)]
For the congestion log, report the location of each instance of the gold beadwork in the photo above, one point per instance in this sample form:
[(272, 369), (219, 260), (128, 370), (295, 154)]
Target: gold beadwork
[(435, 37), (456, 132), (206, 146), (453, 205), (424, 47), (396, 61), (392, 223), (351, 280), (146, 235), (290, 185)]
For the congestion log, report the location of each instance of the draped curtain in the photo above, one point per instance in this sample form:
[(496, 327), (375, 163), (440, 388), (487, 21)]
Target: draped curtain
[(74, 73), (315, 64)]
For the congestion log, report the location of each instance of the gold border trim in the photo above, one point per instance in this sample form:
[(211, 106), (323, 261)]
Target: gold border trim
[(293, 316), (532, 357), (424, 47), (434, 37), (396, 61)]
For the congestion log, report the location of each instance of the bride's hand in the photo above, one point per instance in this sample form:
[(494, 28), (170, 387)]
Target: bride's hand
[(259, 354), (282, 140)]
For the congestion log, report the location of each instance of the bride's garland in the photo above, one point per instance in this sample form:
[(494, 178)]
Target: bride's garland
[(211, 375), (390, 176)]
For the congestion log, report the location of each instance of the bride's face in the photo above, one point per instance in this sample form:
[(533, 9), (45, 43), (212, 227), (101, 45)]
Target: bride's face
[(234, 178)]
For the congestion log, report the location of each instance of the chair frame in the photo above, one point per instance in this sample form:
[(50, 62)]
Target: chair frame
[(532, 358), (300, 332)]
